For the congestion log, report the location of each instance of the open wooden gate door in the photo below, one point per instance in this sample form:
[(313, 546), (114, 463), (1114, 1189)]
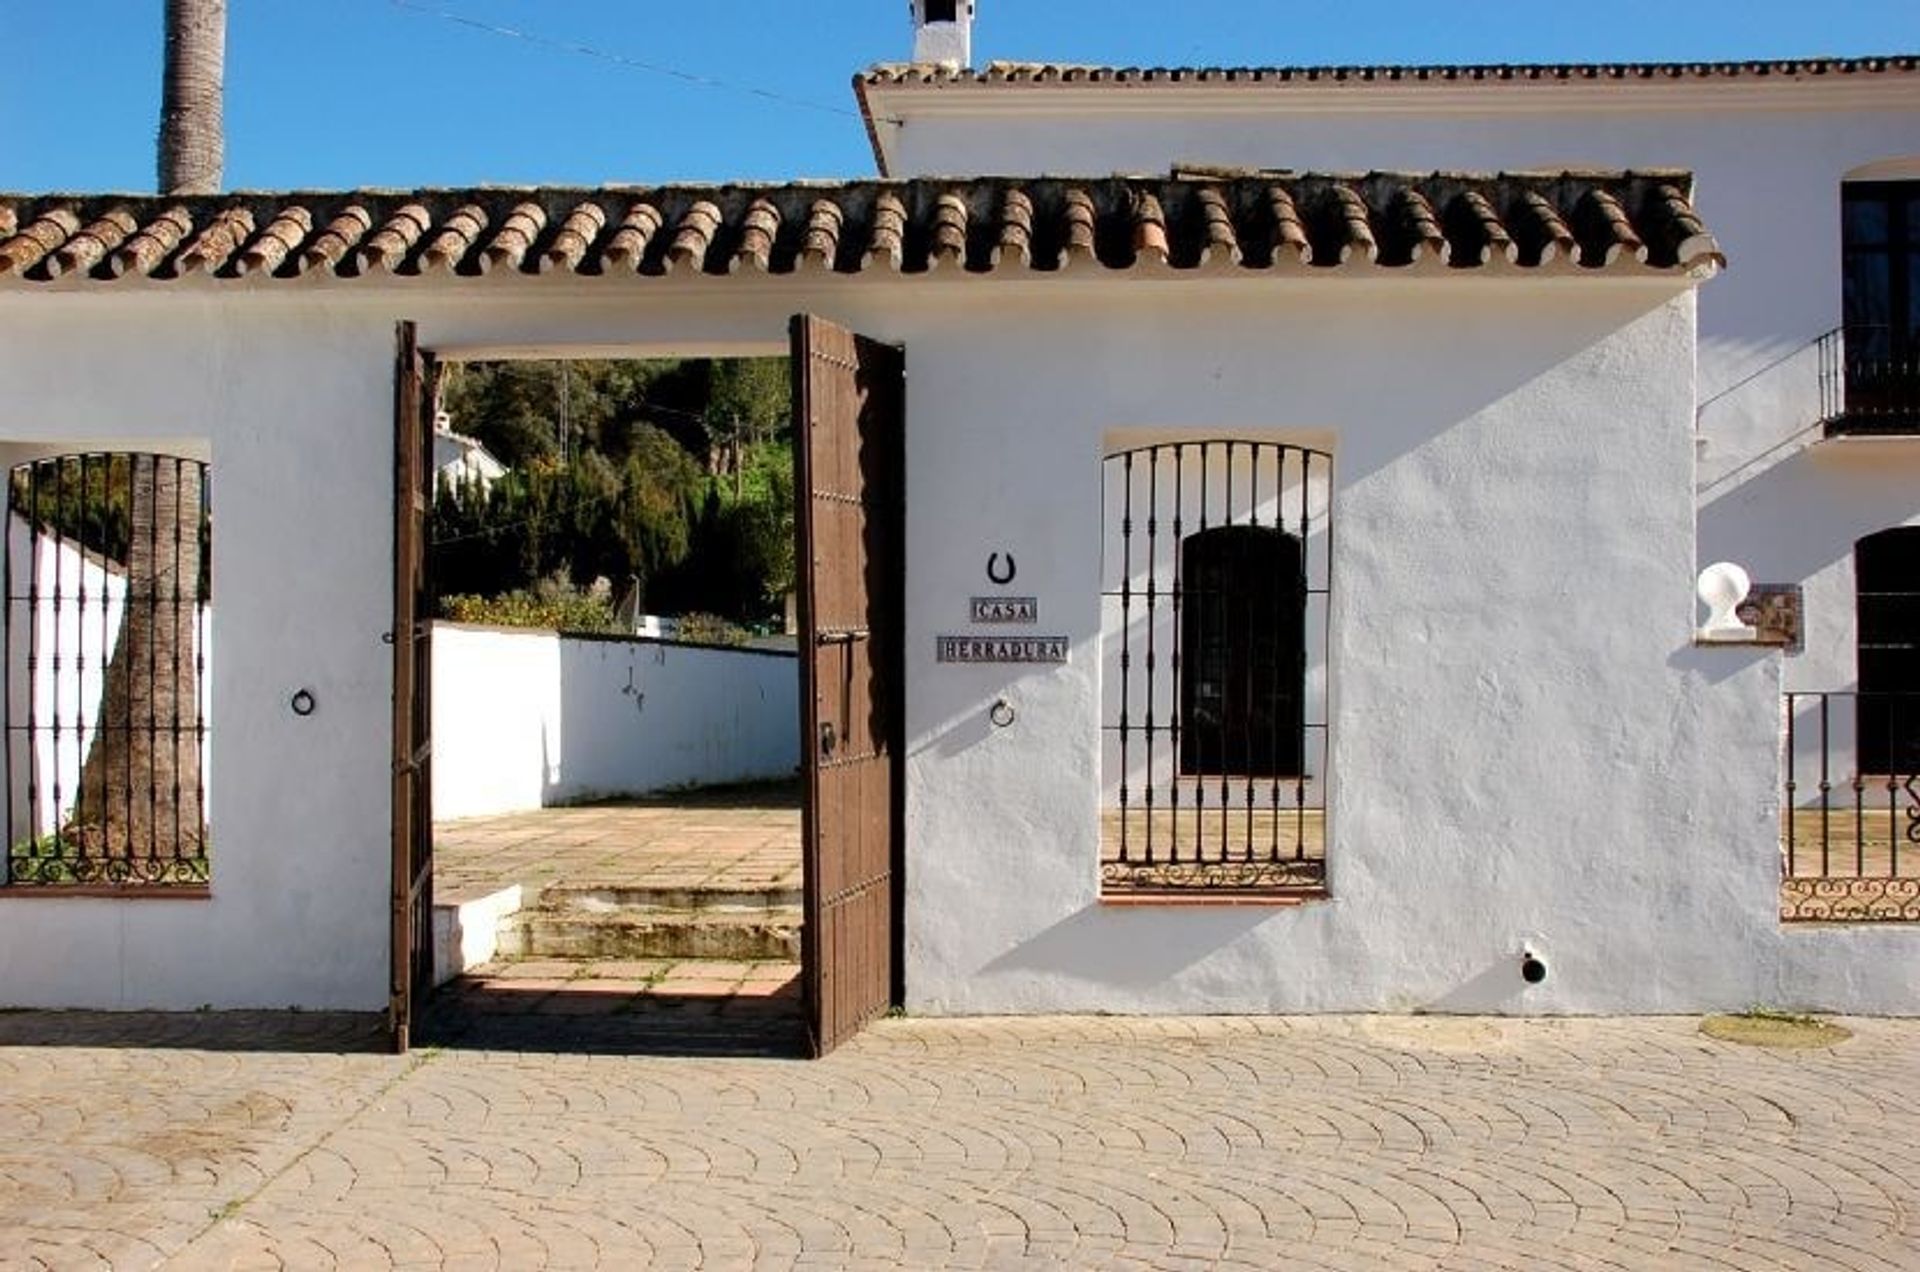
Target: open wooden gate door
[(411, 966), (849, 416)]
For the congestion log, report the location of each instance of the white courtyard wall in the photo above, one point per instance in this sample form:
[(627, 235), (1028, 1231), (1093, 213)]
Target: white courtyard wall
[(44, 763), (1527, 748), (525, 720)]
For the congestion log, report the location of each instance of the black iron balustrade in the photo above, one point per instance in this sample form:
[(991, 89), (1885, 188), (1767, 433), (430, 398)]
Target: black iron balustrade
[(105, 644), (1214, 644), (1869, 381), (1850, 825)]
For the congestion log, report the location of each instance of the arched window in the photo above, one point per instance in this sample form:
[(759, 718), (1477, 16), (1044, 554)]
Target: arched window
[(1887, 591), (1243, 674)]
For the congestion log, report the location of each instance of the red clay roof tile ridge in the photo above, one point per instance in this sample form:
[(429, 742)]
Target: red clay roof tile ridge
[(1182, 223), (1014, 72)]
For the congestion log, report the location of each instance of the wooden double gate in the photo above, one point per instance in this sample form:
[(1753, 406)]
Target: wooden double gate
[(849, 421)]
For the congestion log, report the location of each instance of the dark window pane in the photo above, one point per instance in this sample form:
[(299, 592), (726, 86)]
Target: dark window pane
[(1886, 580), (1890, 621), (1889, 561), (1243, 632), (1887, 587), (1913, 299), (1913, 215), (1867, 298), (1864, 222)]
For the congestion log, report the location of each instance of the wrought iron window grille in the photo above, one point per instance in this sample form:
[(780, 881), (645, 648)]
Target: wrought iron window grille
[(1850, 822), (105, 645), (1214, 647)]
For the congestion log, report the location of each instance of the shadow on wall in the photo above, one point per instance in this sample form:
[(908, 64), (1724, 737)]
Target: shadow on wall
[(1803, 514), (1144, 950), (1083, 945)]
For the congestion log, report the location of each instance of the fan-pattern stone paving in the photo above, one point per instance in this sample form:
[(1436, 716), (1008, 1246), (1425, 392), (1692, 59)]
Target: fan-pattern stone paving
[(1248, 1143)]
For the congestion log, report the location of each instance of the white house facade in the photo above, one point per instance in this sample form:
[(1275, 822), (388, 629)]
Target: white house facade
[(1298, 570)]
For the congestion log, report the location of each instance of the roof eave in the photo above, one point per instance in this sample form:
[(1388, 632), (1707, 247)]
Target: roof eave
[(1818, 83), (873, 129)]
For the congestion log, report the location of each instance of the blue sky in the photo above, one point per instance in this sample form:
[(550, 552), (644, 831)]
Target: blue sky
[(332, 93)]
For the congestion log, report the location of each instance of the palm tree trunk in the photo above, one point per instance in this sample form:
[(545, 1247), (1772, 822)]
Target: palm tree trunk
[(140, 784), (192, 144)]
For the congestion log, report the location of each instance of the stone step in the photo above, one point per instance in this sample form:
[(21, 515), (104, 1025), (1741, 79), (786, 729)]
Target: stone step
[(632, 932), (608, 900)]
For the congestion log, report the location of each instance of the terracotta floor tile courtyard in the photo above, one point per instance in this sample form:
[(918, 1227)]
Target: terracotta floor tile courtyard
[(743, 838)]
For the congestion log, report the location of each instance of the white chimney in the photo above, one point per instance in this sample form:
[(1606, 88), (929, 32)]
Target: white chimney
[(943, 32)]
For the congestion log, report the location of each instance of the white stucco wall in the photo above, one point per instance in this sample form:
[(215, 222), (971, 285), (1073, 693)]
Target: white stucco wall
[(1526, 745), (1769, 159), (293, 403), (525, 720)]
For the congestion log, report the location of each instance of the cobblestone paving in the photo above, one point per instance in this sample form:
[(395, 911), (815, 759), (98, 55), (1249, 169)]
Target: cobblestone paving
[(1299, 1143)]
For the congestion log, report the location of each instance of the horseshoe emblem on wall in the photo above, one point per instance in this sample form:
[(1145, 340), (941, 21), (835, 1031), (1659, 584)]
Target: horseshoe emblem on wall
[(995, 573)]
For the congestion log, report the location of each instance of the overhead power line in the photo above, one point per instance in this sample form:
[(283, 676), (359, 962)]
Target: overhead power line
[(622, 60)]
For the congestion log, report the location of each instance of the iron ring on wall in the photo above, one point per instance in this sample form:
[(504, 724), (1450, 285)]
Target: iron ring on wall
[(303, 702)]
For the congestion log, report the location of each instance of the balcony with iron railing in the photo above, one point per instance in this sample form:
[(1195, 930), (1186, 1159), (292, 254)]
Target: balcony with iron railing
[(1870, 381)]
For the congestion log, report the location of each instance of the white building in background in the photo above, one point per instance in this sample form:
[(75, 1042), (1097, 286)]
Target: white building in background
[(460, 460), (1392, 693)]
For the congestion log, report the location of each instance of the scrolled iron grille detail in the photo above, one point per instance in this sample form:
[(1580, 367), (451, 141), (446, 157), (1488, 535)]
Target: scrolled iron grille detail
[(1850, 900), (108, 585), (1214, 649), (1849, 835), (1171, 876)]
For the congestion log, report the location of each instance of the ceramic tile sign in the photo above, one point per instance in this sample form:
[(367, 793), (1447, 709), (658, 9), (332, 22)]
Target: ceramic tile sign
[(1003, 609), (1773, 611), (1000, 649)]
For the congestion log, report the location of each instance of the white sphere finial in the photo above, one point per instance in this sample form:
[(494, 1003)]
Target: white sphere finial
[(1722, 587)]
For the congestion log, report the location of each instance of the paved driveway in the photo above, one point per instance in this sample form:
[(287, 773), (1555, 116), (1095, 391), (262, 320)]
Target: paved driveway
[(1339, 1142)]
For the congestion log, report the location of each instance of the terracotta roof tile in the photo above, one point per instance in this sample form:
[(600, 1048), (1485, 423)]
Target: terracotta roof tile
[(911, 74), (343, 230), (215, 245), (509, 247), (1016, 231), (986, 226), (758, 233), (90, 246), (288, 229), (822, 243), (155, 242), (948, 244), (886, 233), (388, 247), (578, 230), (458, 235)]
